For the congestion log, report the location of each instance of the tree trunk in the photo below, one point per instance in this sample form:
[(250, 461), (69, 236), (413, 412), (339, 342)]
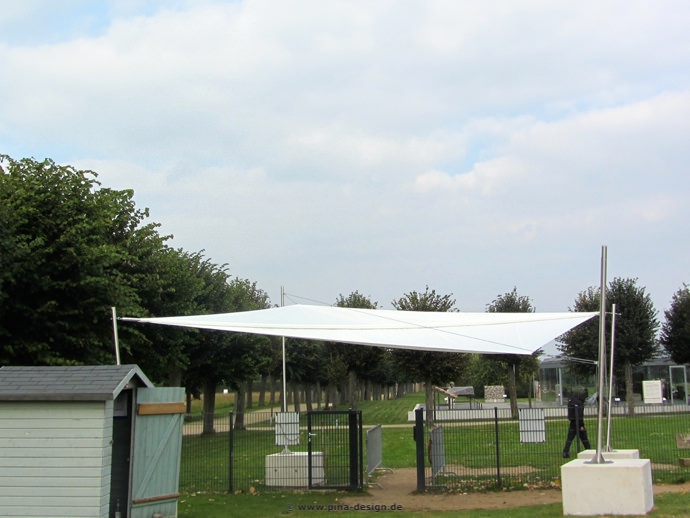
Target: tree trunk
[(430, 411), (330, 395), (240, 407), (189, 397), (352, 389), (318, 395), (512, 391), (262, 391), (250, 394), (629, 396), (282, 397), (272, 397), (175, 377), (308, 394), (295, 397), (209, 412)]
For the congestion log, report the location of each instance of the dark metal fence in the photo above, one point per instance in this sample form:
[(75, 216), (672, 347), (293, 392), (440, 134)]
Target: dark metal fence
[(272, 450), (335, 450), (205, 461), (485, 449), (483, 452)]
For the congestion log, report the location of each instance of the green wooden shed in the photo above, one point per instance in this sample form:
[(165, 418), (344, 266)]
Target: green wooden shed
[(89, 441)]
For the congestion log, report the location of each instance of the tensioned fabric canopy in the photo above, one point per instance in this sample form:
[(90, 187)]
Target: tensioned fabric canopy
[(485, 333)]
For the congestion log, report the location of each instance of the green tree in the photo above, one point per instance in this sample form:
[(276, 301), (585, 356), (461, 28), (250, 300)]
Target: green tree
[(430, 367), (269, 368), (581, 342), (483, 371), (675, 331), (511, 302), (636, 327), (168, 283), (360, 360), (69, 253), (221, 357), (305, 364)]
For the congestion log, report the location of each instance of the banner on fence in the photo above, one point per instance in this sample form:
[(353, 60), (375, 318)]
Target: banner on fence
[(287, 429), (374, 448), (437, 454), (532, 425)]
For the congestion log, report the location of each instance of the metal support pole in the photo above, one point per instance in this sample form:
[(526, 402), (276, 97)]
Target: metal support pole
[(117, 340), (577, 427), (282, 303), (354, 449), (498, 448), (599, 458), (610, 394), (231, 453), (419, 443), (361, 448)]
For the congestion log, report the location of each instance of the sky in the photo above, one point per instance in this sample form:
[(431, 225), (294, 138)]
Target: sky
[(376, 146)]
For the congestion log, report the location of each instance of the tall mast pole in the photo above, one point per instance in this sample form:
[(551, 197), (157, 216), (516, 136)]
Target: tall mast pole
[(599, 458), (115, 336), (282, 303), (610, 399)]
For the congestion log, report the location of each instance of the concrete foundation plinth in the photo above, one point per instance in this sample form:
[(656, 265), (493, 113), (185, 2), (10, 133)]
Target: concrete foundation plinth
[(292, 469), (610, 455), (618, 487)]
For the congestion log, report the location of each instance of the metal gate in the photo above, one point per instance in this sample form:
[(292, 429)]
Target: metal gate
[(335, 459)]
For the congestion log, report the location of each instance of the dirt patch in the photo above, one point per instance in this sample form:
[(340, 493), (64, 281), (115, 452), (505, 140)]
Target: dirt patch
[(478, 472), (398, 488), (656, 465)]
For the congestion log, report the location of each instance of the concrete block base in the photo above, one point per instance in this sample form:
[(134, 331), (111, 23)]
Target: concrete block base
[(610, 455), (619, 487), (292, 469)]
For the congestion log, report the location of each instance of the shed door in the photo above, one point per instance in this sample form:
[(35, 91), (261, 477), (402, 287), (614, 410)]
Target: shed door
[(156, 451)]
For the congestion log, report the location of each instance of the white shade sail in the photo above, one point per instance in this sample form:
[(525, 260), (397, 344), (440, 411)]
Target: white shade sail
[(485, 333)]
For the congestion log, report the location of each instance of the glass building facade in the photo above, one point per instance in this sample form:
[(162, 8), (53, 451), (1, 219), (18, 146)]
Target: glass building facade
[(558, 379)]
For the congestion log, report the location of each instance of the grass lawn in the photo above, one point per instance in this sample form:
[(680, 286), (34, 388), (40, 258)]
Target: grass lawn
[(393, 411), (375, 412), (306, 504), (469, 446), (226, 403), (205, 463)]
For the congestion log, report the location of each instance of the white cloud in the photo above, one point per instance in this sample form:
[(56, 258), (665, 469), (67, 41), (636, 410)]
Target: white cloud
[(488, 178), (378, 145)]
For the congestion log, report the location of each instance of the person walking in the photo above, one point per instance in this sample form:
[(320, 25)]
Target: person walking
[(576, 418)]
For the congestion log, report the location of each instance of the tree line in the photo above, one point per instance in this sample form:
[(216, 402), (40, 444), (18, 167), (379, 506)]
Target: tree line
[(71, 249)]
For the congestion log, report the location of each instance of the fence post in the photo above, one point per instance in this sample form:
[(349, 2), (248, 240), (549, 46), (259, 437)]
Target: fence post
[(419, 440), (354, 447), (577, 428), (498, 449), (360, 449), (231, 453)]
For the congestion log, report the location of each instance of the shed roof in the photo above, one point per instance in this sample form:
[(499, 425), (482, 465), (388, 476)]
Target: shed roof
[(70, 383)]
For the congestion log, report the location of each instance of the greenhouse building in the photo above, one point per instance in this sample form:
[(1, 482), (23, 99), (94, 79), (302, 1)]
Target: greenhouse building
[(558, 379)]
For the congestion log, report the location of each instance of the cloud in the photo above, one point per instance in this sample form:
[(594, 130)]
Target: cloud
[(380, 144), (487, 178)]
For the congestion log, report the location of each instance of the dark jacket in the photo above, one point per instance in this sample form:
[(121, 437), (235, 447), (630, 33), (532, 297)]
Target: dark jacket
[(576, 411)]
